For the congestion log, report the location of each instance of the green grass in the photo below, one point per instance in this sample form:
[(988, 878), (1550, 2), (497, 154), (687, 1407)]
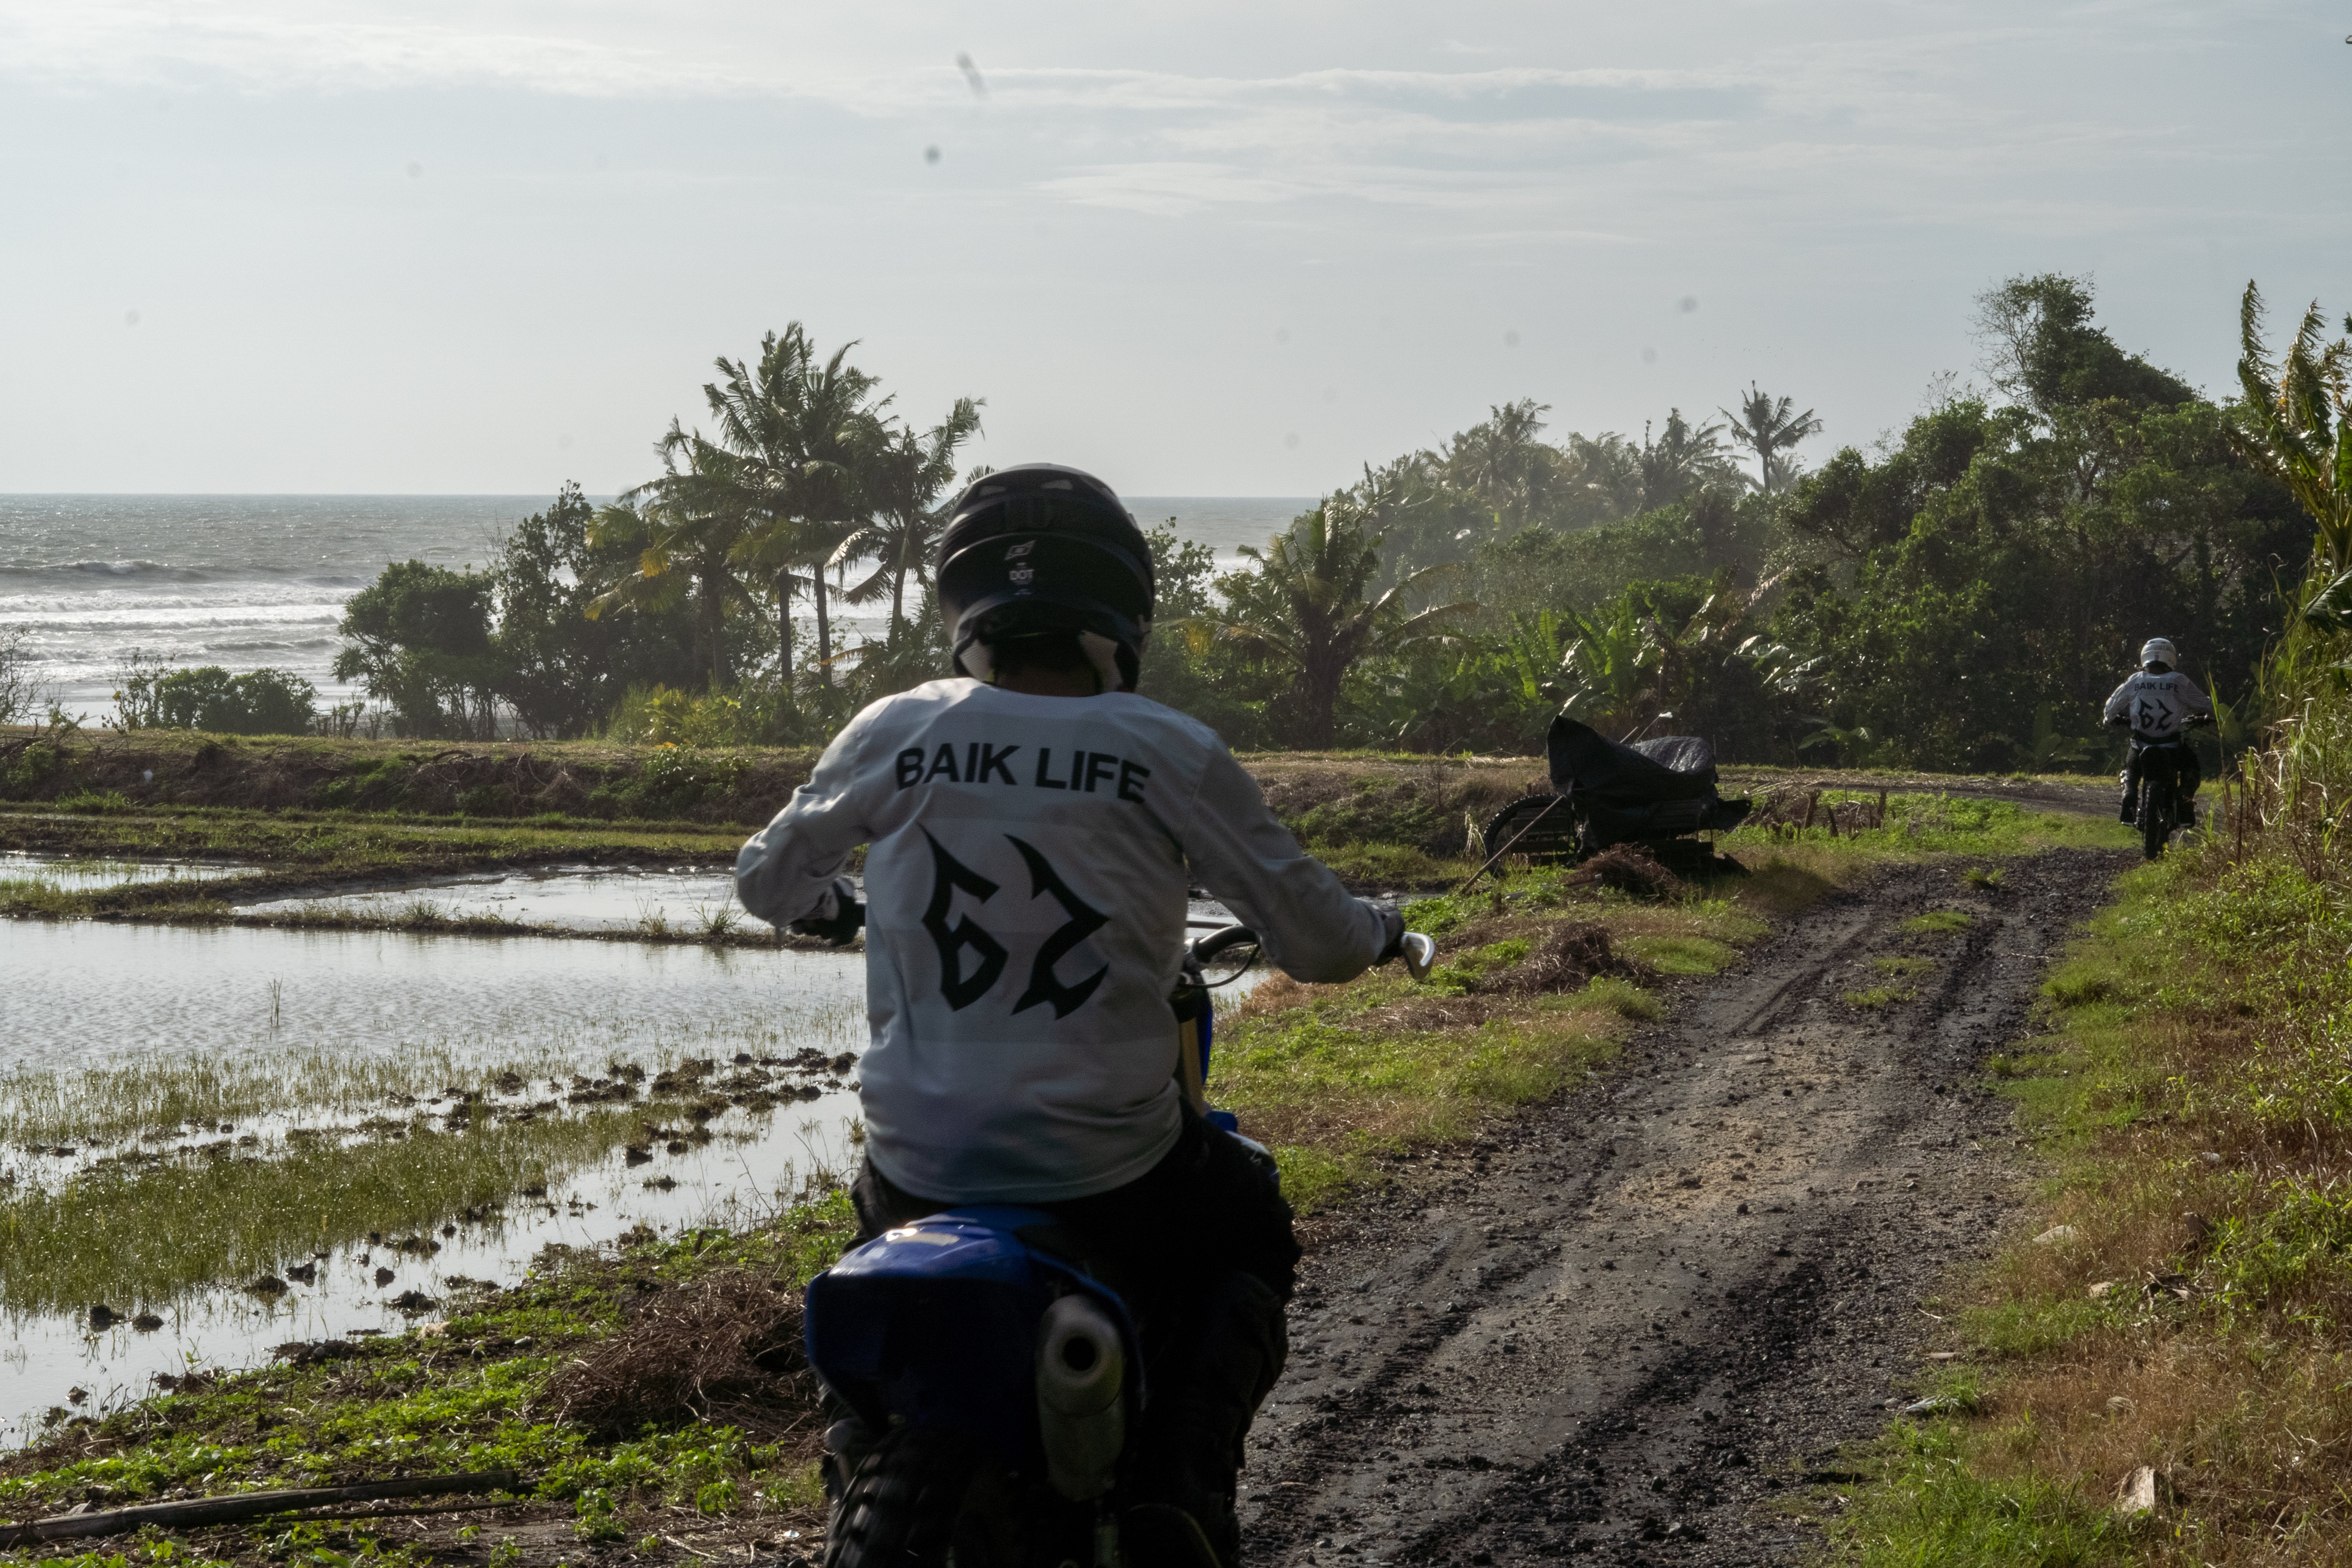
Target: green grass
[(192, 1172), (147, 1234), (1932, 1508), (1922, 826), (408, 1405), (1902, 964), (168, 1092), (1880, 996)]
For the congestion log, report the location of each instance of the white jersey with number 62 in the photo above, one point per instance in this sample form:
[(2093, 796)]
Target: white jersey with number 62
[(1025, 889)]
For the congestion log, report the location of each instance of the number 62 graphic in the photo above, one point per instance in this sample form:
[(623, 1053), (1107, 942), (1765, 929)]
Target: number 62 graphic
[(960, 988)]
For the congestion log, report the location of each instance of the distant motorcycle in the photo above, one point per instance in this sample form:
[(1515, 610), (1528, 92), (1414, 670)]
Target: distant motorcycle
[(2160, 806), (999, 1378)]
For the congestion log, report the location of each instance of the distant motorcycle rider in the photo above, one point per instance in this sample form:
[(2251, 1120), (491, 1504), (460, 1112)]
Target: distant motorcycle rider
[(1033, 826), (2157, 704)]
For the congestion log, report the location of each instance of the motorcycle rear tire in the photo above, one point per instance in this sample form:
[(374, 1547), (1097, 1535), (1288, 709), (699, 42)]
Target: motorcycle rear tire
[(2154, 817), (922, 1497)]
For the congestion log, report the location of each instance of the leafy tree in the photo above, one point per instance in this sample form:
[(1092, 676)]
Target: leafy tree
[(560, 667), (1304, 603), (1855, 506), (1768, 426), (419, 640), (22, 692), (1610, 668), (2004, 558), (2041, 349)]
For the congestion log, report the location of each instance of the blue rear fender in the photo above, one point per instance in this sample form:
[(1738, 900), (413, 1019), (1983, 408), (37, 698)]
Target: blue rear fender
[(936, 1324)]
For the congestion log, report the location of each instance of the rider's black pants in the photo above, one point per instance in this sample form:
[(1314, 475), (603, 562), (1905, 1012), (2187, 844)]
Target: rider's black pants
[(1209, 1209)]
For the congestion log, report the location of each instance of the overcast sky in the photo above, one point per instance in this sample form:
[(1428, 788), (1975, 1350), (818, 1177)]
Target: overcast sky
[(1199, 248)]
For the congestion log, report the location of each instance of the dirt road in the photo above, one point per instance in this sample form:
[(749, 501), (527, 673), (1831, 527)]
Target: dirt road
[(1631, 1325)]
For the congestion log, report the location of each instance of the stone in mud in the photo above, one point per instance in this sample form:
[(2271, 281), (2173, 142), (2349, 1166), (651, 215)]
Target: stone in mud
[(146, 1323), (304, 1273), (267, 1285), (413, 1301), (384, 1277), (102, 1316), (636, 1154)]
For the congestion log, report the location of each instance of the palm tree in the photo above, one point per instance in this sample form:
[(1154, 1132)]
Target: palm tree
[(1765, 425), (689, 531), (1681, 460), (1502, 462), (2294, 424), (794, 439), (840, 436), (904, 481), (1304, 603)]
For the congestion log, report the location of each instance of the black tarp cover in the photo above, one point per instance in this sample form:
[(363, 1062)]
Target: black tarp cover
[(1652, 789)]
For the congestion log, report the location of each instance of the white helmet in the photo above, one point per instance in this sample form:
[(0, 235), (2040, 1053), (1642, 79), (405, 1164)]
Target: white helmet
[(2158, 651)]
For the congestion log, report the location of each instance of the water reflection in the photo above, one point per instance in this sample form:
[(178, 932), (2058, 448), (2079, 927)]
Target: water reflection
[(78, 993)]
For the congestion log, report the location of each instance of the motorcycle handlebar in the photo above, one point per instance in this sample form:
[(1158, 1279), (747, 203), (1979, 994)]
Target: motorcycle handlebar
[(1419, 951)]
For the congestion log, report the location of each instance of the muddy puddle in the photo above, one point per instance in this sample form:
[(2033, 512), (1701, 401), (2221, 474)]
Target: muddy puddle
[(76, 876)]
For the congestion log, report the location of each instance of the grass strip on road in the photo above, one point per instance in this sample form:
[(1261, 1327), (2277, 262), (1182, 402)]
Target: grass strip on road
[(1342, 1082)]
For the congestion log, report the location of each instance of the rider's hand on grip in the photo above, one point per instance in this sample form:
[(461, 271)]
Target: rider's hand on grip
[(1419, 953), (839, 927)]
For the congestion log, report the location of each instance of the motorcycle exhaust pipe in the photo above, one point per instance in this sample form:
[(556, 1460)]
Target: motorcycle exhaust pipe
[(1081, 1372)]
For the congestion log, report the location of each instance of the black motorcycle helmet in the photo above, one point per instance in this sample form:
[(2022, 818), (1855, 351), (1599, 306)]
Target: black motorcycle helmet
[(1042, 552)]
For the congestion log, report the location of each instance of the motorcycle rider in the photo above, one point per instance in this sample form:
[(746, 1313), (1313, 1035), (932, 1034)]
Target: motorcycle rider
[(2157, 703), (1033, 825)]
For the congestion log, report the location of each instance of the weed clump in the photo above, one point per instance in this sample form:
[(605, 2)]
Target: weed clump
[(1569, 959), (726, 1350), (1630, 869)]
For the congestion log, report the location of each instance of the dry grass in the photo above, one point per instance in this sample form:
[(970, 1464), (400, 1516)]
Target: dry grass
[(725, 1351)]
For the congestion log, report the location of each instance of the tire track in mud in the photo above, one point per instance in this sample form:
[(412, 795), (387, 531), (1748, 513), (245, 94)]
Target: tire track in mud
[(1618, 1326)]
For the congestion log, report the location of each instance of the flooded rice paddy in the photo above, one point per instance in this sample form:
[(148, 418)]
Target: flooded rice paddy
[(582, 898), (215, 1140), (188, 1112)]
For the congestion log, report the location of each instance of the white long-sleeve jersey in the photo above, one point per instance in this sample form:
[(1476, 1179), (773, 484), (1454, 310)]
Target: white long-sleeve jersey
[(2157, 704), (1025, 886)]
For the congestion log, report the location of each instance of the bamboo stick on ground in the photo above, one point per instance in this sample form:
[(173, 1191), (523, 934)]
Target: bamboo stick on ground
[(246, 1505)]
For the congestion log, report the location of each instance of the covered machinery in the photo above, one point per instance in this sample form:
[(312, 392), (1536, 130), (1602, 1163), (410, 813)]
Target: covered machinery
[(1656, 793)]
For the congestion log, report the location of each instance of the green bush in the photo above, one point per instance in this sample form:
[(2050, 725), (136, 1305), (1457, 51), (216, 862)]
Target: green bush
[(258, 702)]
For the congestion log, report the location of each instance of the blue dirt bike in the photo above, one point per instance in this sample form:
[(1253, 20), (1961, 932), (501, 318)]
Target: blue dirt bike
[(1000, 1380)]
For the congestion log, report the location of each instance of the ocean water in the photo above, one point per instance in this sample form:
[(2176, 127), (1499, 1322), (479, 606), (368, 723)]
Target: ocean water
[(249, 580)]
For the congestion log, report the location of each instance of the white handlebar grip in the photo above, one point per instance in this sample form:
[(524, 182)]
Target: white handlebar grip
[(1420, 953)]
